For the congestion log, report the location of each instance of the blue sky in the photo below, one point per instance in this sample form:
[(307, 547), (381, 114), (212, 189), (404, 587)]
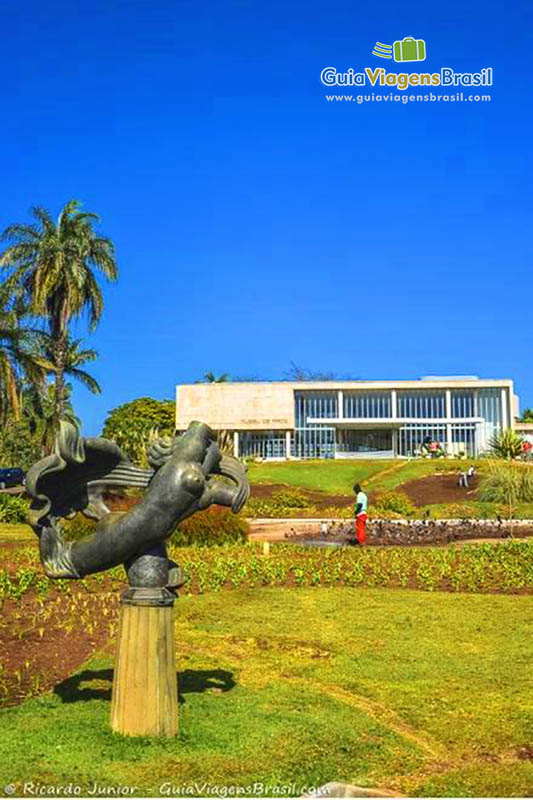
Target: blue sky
[(256, 223)]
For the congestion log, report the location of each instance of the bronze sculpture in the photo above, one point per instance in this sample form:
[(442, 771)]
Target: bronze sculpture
[(186, 477), (189, 473)]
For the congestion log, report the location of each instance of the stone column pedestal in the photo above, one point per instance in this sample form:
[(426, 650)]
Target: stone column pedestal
[(145, 691)]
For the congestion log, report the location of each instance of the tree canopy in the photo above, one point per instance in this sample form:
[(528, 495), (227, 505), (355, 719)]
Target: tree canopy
[(132, 424)]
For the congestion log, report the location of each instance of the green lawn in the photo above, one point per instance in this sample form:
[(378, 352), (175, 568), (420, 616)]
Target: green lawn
[(338, 477), (421, 693)]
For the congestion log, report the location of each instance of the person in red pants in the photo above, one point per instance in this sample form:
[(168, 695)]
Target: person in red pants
[(361, 506)]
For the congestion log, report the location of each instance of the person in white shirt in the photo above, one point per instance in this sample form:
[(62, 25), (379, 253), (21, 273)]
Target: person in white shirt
[(361, 507)]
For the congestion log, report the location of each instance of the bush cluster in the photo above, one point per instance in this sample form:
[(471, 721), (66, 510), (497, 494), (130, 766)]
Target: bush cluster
[(214, 526), (463, 511), (507, 483), (395, 503), (13, 508), (77, 528), (291, 498)]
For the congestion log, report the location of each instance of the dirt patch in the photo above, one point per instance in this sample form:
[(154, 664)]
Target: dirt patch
[(422, 491), (439, 489), (265, 491), (43, 641)]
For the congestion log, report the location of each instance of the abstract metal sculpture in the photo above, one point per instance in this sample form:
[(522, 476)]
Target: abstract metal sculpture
[(189, 474), (184, 479)]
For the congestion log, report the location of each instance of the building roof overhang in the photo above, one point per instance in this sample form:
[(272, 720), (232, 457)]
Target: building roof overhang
[(362, 424)]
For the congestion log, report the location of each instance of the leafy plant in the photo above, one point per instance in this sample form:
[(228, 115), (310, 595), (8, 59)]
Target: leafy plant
[(19, 356), (133, 424), (290, 498), (78, 527), (508, 484), (500, 482), (13, 508), (462, 511), (506, 444), (19, 444), (396, 502), (210, 377), (215, 526)]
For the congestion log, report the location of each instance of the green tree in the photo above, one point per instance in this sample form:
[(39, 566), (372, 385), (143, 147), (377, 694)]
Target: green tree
[(527, 415), (20, 445), (57, 263), (21, 359), (75, 359), (133, 424), (40, 413)]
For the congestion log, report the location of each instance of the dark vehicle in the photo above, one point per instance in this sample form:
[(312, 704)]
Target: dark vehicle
[(12, 476)]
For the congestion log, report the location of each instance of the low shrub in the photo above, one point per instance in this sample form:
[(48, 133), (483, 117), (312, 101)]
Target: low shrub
[(503, 567), (211, 527), (13, 508), (395, 502), (214, 526), (507, 444), (336, 512), (77, 528), (508, 484), (385, 513), (274, 510), (290, 498), (462, 511)]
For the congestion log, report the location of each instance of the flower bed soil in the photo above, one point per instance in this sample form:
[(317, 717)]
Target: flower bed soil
[(37, 654), (439, 489), (401, 532)]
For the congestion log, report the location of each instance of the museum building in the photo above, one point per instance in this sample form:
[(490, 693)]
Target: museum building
[(352, 419)]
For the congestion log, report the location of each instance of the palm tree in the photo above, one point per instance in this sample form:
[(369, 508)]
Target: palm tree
[(56, 264), (74, 360), (43, 415), (210, 377), (20, 357)]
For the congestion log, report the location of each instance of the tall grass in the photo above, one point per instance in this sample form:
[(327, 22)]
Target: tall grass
[(508, 484), (502, 481)]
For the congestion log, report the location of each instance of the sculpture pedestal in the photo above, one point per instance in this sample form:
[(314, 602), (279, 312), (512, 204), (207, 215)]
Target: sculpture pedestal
[(145, 690)]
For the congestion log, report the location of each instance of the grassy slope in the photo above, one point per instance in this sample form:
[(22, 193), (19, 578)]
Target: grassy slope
[(427, 694), (338, 477)]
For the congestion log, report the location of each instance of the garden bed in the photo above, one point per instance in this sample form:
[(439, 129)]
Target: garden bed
[(43, 642), (317, 499), (386, 532), (439, 489), (48, 628)]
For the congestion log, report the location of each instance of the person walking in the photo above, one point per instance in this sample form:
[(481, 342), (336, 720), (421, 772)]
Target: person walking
[(361, 506)]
